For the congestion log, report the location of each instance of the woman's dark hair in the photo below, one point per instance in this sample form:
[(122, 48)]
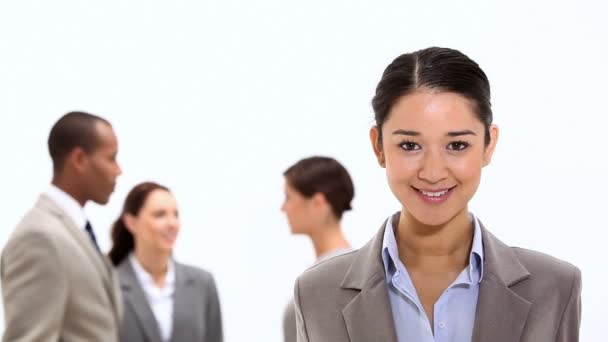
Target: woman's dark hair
[(441, 69), (122, 239), (323, 175)]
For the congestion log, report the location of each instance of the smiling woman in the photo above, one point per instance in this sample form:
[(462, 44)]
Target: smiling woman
[(433, 272), (164, 300)]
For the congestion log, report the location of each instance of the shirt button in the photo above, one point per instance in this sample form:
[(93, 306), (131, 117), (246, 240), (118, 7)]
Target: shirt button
[(441, 325)]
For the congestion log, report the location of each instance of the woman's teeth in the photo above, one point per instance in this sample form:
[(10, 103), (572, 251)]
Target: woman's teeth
[(434, 194)]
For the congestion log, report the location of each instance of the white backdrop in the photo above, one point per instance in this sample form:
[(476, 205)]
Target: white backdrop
[(216, 99)]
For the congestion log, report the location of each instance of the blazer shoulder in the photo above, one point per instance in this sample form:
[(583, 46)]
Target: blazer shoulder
[(199, 275), (549, 277), (328, 273), (37, 225), (38, 220), (547, 266), (126, 274)]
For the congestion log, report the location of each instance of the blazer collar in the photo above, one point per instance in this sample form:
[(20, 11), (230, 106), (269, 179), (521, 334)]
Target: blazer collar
[(100, 262), (186, 327), (501, 313), (368, 315), (135, 297), (183, 305)]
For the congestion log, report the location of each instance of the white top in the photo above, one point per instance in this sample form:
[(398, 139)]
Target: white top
[(68, 204), (160, 299)]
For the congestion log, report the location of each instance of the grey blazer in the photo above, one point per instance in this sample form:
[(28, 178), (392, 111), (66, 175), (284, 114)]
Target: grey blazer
[(196, 307), (55, 285), (524, 296)]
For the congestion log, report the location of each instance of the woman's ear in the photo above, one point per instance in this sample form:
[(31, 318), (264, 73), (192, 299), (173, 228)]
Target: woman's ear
[(129, 221), (318, 199), (489, 151), (319, 202), (374, 137)]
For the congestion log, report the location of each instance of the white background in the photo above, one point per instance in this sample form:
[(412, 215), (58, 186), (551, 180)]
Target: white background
[(216, 99)]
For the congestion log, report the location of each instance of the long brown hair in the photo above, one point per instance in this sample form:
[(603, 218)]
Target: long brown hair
[(122, 239)]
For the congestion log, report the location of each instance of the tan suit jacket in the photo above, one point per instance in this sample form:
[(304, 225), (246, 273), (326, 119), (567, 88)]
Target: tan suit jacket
[(55, 285), (524, 296)]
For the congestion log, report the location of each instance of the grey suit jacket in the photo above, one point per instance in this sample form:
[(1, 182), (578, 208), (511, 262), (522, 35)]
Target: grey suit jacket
[(196, 307), (290, 333), (55, 285), (524, 296)]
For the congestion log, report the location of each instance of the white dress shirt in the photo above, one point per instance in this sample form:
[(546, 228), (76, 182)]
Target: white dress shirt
[(159, 299), (68, 204)]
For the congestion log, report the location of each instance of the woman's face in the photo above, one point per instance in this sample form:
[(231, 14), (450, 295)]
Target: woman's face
[(300, 211), (157, 224), (433, 150)]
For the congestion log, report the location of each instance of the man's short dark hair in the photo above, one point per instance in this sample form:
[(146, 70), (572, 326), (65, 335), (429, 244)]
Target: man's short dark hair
[(74, 129)]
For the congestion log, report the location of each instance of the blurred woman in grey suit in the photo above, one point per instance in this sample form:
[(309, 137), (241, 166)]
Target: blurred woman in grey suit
[(164, 300), (433, 272), (318, 190)]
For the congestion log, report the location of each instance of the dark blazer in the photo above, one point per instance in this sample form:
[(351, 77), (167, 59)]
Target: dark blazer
[(196, 307), (524, 296)]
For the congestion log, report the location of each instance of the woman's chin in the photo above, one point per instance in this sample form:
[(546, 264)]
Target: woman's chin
[(166, 247), (430, 218)]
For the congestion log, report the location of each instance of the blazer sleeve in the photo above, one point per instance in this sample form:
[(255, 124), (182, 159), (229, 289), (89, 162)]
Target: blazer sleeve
[(300, 322), (289, 324), (34, 289), (213, 317), (568, 330)]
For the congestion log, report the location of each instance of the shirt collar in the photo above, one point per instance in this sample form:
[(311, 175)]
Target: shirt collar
[(390, 252), (476, 257), (68, 204), (145, 278)]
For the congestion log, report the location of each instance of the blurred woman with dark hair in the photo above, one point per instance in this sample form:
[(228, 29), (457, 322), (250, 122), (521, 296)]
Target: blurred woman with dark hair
[(318, 190), (164, 300)]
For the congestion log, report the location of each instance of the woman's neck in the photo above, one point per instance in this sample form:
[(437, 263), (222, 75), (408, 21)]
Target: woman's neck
[(435, 248), (328, 237), (155, 263)]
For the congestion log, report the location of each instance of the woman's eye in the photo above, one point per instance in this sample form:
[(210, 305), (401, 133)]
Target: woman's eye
[(458, 145), (409, 146)]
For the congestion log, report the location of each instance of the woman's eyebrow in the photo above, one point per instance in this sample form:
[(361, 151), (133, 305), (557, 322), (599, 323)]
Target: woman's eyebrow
[(459, 133), (404, 132), (449, 134)]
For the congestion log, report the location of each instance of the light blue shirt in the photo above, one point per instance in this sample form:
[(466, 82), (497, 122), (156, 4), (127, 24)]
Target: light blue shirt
[(454, 311)]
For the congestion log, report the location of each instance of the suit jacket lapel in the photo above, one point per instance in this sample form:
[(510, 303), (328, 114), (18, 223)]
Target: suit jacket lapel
[(185, 299), (104, 269), (99, 261), (368, 316), (83, 240), (501, 313), (135, 297)]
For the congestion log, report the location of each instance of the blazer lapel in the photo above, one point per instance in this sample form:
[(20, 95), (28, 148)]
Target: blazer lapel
[(116, 295), (135, 297), (186, 327), (501, 313), (368, 316), (77, 234), (104, 269)]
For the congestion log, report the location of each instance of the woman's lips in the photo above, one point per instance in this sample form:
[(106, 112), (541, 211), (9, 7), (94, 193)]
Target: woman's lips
[(434, 196)]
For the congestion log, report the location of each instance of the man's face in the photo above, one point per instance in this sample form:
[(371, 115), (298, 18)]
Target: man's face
[(101, 167)]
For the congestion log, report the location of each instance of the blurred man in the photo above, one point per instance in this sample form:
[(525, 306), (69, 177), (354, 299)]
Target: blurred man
[(56, 284)]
